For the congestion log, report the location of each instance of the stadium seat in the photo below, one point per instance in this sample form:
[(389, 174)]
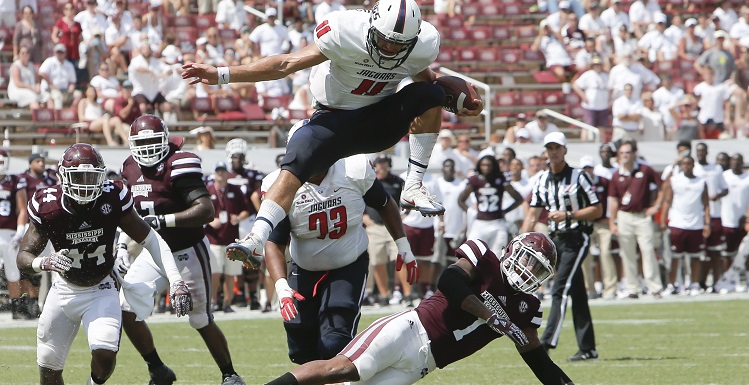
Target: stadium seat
[(526, 31), (69, 117), (530, 98), (467, 54), (202, 109), (269, 103), (552, 97), (229, 109), (48, 116), (511, 56), (545, 77), (183, 21), (512, 9), (505, 99), (458, 34), (252, 111), (446, 55), (470, 9), (502, 32), (203, 22), (480, 35)]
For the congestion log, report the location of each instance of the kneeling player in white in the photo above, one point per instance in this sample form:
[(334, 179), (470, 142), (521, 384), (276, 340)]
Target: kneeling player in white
[(80, 217), (480, 298)]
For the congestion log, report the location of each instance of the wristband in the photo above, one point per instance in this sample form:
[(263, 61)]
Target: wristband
[(21, 228), (36, 264), (122, 246), (170, 220), (570, 215), (223, 75)]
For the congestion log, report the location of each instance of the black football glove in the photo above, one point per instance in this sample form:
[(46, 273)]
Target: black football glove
[(157, 222)]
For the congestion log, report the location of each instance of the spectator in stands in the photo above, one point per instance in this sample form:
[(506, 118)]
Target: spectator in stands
[(243, 45), (718, 58), (549, 42), (592, 87), (447, 7), (511, 136), (106, 85), (204, 138), (584, 57), (655, 45), (627, 112), (591, 22), (572, 36), (614, 17), (684, 114), (68, 32), (676, 30), (465, 156), (444, 150), (176, 90), (268, 38), (664, 97), (601, 236), (628, 71), (91, 20), (623, 41), (230, 14), (652, 127), (725, 13), (125, 15), (138, 34), (144, 73), (290, 11), (90, 111), (540, 127), (214, 47), (181, 7), (96, 51), (58, 79), (8, 13), (326, 7), (171, 51), (606, 168), (298, 37), (271, 89), (153, 23), (27, 34), (632, 207), (723, 160), (641, 15), (706, 29), (690, 44), (714, 102), (207, 6), (739, 33), (125, 110), (557, 19), (22, 87), (117, 37)]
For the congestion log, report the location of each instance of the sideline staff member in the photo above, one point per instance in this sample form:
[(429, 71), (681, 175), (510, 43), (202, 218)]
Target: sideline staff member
[(568, 195)]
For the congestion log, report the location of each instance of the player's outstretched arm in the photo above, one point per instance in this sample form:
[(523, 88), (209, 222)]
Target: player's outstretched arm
[(32, 244), (268, 68), (539, 361)]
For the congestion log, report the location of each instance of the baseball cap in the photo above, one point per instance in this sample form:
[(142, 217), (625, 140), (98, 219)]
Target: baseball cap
[(201, 130), (691, 22), (59, 47), (382, 158), (564, 4), (271, 12), (616, 1), (541, 114), (220, 166), (555, 137), (446, 133), (523, 133), (587, 161), (659, 18), (522, 116), (35, 156), (201, 40), (720, 34)]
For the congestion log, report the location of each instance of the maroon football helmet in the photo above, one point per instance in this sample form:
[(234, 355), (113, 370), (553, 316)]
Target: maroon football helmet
[(4, 162), (149, 140), (82, 173), (529, 261)]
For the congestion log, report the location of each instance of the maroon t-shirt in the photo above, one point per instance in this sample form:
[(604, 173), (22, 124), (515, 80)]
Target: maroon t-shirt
[(120, 103), (155, 194), (87, 232), (488, 193), (632, 191), (454, 333), (70, 37), (229, 200), (9, 188)]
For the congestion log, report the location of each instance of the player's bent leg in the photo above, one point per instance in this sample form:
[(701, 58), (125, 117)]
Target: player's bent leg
[(50, 376), (303, 343), (335, 370)]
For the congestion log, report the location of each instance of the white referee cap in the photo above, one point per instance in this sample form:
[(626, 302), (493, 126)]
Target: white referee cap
[(555, 137)]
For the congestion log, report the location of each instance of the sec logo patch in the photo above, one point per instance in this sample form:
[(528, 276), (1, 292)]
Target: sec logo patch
[(523, 307), (106, 209)]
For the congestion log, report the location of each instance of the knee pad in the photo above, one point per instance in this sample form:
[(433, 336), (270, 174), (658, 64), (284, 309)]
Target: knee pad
[(46, 357), (199, 320), (302, 344), (332, 343)]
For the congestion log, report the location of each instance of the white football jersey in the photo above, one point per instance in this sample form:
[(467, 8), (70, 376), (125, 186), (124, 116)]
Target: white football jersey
[(350, 79), (326, 219), (687, 210)]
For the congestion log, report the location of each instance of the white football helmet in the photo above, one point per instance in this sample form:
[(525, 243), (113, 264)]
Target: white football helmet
[(236, 146), (149, 140), (4, 162), (394, 27), (529, 261)]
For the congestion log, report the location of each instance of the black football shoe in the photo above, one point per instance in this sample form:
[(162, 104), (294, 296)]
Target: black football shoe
[(162, 376), (589, 355)]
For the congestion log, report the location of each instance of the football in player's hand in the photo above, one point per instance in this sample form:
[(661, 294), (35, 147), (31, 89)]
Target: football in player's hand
[(458, 93)]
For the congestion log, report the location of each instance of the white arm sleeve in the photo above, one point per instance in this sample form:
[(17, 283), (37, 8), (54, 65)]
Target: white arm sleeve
[(158, 248)]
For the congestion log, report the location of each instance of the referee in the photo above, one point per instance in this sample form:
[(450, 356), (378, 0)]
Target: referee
[(568, 195)]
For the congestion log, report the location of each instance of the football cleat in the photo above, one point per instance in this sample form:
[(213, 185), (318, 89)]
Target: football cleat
[(249, 251), (590, 355), (417, 197), (234, 379), (162, 376)]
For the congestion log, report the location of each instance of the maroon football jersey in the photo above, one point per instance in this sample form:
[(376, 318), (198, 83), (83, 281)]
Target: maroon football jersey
[(88, 234), (49, 178), (488, 195), (456, 334), (9, 187), (154, 193), (232, 201), (249, 180)]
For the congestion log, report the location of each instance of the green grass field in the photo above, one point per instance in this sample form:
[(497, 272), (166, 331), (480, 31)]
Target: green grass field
[(678, 342)]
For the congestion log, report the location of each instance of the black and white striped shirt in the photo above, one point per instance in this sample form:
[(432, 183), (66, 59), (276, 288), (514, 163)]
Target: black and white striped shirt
[(569, 190)]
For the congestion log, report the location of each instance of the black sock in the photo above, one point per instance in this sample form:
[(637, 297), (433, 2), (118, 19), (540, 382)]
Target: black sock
[(153, 360), (97, 380), (227, 371), (286, 379)]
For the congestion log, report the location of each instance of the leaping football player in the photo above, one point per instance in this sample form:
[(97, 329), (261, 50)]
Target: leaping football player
[(80, 217), (361, 56), (169, 193)]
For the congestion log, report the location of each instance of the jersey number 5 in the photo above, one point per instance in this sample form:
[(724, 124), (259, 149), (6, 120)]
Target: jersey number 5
[(320, 221)]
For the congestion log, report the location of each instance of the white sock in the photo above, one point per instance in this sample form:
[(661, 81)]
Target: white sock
[(421, 150), (268, 216)]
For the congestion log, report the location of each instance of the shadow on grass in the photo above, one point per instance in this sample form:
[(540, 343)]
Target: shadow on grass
[(642, 358)]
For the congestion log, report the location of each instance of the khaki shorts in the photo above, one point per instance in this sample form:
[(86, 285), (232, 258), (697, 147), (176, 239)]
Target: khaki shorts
[(220, 264), (381, 247)]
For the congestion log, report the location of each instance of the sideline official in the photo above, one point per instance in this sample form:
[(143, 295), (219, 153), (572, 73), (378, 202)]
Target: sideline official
[(568, 195)]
